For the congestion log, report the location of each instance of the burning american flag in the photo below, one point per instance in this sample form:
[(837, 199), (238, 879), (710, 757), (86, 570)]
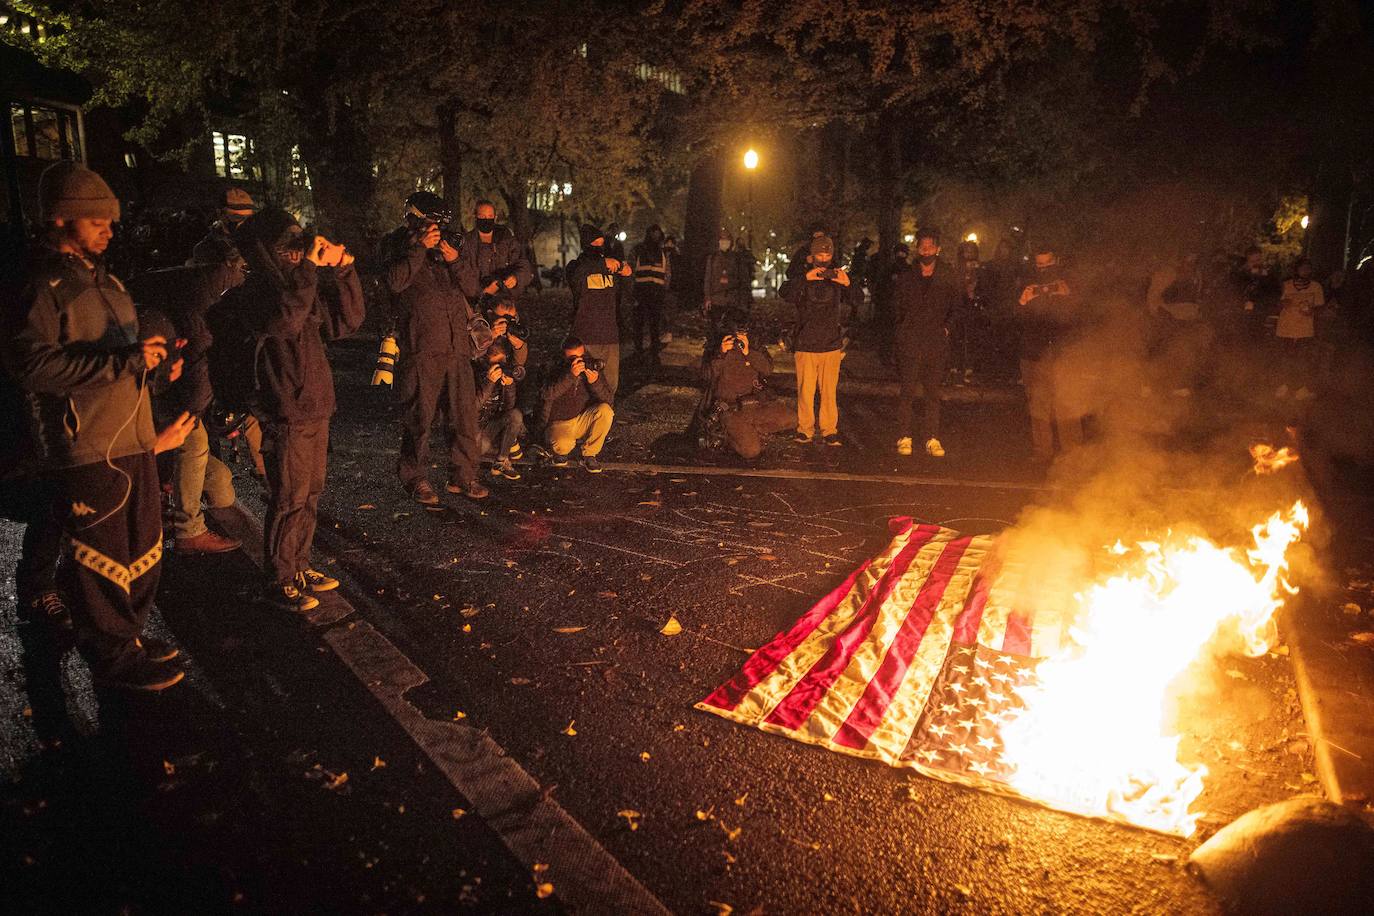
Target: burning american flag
[(929, 656)]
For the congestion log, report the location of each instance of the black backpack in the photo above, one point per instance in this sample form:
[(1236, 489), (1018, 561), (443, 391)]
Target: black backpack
[(233, 358)]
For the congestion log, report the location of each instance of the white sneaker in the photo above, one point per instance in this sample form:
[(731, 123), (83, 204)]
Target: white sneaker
[(934, 449), (904, 445)]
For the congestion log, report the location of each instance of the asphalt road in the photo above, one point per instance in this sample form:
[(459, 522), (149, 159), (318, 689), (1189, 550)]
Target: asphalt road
[(535, 616)]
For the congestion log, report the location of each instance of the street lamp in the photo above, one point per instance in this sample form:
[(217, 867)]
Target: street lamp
[(972, 237), (1303, 222), (751, 162)]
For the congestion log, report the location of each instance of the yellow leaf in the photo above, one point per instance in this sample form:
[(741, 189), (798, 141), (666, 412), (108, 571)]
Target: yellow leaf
[(467, 628), (568, 629), (570, 731), (458, 812), (469, 611), (378, 763), (644, 755), (703, 815), (730, 834), (367, 506), (538, 867), (631, 817), (337, 781), (829, 797), (679, 727), (671, 628), (722, 909), (459, 715), (607, 594), (740, 801), (544, 890)]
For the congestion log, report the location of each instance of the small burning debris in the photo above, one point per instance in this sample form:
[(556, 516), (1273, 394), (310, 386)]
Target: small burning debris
[(1270, 460)]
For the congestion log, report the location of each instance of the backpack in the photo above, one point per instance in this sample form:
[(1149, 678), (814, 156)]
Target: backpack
[(233, 359)]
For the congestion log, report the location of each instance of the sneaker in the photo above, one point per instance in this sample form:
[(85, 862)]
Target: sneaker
[(934, 449), (504, 469), (471, 489), (287, 596), (516, 452), (51, 611), (559, 461), (592, 465), (423, 493), (207, 542), (156, 649), (904, 445), (316, 581), (802, 438), (833, 440), (142, 674)]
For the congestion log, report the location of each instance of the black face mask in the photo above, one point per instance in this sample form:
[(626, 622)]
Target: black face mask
[(485, 226), (928, 259)]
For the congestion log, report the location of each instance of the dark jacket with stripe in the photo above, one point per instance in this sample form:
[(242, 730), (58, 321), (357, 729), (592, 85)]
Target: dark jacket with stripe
[(427, 294)]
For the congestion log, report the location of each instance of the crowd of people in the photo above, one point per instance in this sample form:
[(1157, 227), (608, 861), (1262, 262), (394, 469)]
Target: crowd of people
[(119, 395)]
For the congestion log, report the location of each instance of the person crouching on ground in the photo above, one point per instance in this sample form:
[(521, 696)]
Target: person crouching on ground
[(576, 408), (737, 396), (500, 424), (300, 290)]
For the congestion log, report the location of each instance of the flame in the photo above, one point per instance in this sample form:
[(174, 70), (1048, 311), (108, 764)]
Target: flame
[(1092, 736), (1270, 460)]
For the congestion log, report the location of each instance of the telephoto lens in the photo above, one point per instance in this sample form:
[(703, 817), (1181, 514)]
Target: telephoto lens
[(384, 373), (593, 364)]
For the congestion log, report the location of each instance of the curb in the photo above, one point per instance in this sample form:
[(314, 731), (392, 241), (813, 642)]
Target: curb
[(1337, 695)]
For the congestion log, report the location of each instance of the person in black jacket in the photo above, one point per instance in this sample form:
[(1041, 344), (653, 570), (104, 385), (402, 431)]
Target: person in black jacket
[(425, 275), (300, 290), (1046, 313), (492, 266), (575, 406), (924, 298), (594, 278), (818, 341)]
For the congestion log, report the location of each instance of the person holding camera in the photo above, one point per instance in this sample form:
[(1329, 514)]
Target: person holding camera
[(500, 423), (506, 326), (218, 245), (818, 340), (925, 298), (594, 277), (737, 397), (1046, 312), (424, 273), (575, 407), (75, 348), (301, 290), (492, 266)]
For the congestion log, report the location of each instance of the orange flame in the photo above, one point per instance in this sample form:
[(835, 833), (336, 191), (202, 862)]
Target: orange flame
[(1092, 737), (1269, 460)]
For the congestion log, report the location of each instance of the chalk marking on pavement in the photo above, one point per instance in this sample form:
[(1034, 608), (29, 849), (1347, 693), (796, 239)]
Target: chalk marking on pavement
[(585, 876), (784, 474), (534, 828)]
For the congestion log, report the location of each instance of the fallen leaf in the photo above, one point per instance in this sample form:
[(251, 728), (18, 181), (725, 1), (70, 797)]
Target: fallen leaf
[(1307, 777), (631, 817), (570, 731), (467, 628), (607, 595), (1364, 639), (459, 715), (671, 628), (544, 890), (568, 629), (769, 557), (759, 524), (828, 797), (168, 768), (650, 502), (397, 516), (469, 611), (378, 763), (1352, 608), (367, 506), (729, 858), (730, 834), (644, 755), (1164, 857), (964, 890), (521, 681), (704, 815), (458, 812), (1233, 673), (740, 801), (337, 781), (678, 728), (722, 909), (539, 867)]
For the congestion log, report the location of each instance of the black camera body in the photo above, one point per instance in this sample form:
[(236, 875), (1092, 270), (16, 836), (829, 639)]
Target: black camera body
[(828, 273), (511, 371), (592, 364)]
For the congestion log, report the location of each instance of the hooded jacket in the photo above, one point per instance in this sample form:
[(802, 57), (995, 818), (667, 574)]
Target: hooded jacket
[(481, 262), (428, 296), (595, 319), (821, 316), (74, 348), (293, 311)]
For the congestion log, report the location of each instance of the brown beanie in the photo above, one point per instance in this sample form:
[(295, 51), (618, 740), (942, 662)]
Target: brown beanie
[(821, 244), (69, 190)]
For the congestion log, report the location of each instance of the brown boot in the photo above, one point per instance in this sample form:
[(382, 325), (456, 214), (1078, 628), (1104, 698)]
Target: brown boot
[(472, 489), (207, 542)]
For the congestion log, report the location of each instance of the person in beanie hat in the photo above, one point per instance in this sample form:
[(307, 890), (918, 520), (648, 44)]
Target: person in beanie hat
[(301, 290), (727, 279), (218, 245), (818, 339), (593, 278), (75, 348)]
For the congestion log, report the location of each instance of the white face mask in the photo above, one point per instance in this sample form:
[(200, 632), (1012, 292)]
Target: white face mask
[(724, 245)]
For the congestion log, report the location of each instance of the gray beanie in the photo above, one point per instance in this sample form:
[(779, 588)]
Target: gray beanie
[(69, 190)]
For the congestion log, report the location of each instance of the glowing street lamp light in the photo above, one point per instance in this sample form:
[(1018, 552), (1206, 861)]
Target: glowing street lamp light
[(1303, 222), (751, 159), (971, 237), (751, 162)]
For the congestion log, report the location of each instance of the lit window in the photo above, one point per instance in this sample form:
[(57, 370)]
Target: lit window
[(299, 176), (45, 132), (232, 152), (129, 161), (546, 197), (670, 79)]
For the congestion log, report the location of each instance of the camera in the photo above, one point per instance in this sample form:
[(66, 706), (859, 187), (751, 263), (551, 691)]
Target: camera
[(828, 273), (511, 371), (227, 424), (387, 353), (591, 363)]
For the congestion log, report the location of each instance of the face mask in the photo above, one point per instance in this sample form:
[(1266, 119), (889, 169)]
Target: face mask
[(724, 245), (485, 225), (927, 260)]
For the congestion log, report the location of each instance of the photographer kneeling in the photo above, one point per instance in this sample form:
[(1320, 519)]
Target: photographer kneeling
[(500, 424), (576, 407), (737, 404)]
